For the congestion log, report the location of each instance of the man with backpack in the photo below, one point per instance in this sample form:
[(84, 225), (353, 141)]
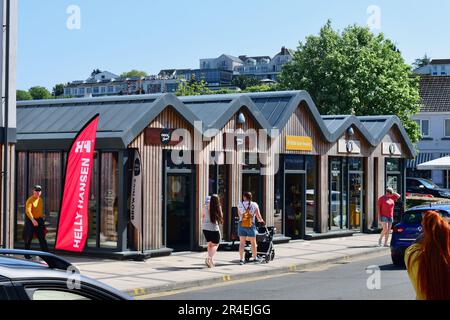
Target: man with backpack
[(248, 213)]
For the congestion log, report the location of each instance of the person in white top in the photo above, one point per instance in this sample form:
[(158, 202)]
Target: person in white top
[(247, 230), (212, 217)]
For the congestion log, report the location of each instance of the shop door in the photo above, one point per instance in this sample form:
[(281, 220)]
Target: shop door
[(252, 183), (394, 181), (179, 212), (356, 201), (294, 204)]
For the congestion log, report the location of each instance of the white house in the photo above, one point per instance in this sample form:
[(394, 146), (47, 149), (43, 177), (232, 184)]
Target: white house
[(434, 120)]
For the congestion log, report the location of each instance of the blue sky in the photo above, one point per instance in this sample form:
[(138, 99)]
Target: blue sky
[(151, 35)]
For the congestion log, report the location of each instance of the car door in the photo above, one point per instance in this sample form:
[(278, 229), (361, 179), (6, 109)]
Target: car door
[(58, 290), (412, 186)]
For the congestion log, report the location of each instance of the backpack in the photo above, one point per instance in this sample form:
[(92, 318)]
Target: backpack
[(247, 218)]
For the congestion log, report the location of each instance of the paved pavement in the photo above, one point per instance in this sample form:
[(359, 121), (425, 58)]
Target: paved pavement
[(187, 270)]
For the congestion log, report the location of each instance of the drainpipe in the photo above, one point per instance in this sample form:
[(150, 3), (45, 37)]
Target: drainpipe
[(5, 146)]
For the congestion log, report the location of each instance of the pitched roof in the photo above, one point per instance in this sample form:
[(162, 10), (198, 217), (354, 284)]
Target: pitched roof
[(122, 119), (55, 123), (440, 61), (435, 93), (235, 59)]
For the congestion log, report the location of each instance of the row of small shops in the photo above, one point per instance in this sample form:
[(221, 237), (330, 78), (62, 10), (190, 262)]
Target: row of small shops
[(313, 176)]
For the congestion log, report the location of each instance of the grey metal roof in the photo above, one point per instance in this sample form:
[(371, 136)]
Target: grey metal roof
[(379, 126), (55, 123), (122, 119), (334, 123)]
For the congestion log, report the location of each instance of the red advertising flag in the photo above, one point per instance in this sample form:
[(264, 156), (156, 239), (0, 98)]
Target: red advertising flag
[(73, 219)]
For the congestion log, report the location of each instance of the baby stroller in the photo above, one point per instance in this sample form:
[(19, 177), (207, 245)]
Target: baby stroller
[(264, 240)]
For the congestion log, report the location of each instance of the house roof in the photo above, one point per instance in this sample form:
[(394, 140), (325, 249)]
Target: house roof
[(235, 59), (440, 61), (435, 94), (54, 123)]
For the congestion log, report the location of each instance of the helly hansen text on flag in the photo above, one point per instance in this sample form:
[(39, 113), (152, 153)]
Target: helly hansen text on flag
[(73, 220)]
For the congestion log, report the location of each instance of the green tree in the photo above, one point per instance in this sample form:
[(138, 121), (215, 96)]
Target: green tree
[(422, 62), (95, 72), (262, 88), (355, 72), (243, 82), (22, 95), (39, 93), (193, 88), (134, 74), (58, 90)]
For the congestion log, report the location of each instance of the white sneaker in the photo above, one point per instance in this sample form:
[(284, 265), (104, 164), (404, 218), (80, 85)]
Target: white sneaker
[(380, 244)]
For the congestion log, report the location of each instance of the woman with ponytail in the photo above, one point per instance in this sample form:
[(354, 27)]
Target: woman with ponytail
[(428, 261)]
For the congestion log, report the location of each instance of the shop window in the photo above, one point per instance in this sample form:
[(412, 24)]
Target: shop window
[(294, 163), (218, 185), (278, 205), (311, 195), (92, 207), (109, 201), (52, 185), (21, 194)]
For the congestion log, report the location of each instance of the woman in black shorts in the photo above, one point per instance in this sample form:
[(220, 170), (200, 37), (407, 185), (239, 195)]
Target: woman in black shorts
[(212, 219)]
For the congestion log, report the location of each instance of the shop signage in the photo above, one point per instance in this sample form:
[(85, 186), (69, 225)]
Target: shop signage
[(294, 143), (158, 136), (349, 146), (136, 192), (392, 149)]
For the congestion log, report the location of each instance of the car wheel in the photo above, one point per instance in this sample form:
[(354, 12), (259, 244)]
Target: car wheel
[(398, 261)]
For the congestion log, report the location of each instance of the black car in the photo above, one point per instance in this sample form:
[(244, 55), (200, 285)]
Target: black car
[(426, 187), (53, 278)]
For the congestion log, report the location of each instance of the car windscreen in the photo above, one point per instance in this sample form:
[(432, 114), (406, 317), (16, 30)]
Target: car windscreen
[(429, 184), (415, 217)]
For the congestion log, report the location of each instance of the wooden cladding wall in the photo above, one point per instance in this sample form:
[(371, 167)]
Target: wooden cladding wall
[(10, 197), (152, 165), (302, 123), (366, 148), (393, 136)]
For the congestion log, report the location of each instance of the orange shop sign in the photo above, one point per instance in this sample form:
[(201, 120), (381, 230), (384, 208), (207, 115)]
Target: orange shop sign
[(294, 143)]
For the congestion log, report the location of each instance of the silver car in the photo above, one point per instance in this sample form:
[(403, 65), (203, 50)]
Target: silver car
[(50, 278)]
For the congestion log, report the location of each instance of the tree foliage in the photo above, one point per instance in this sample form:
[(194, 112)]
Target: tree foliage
[(22, 95), (58, 90), (193, 88), (39, 93), (422, 62), (243, 82), (355, 72), (134, 74), (95, 72)]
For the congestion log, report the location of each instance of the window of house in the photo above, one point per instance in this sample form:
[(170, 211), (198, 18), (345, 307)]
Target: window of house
[(447, 128), (424, 127)]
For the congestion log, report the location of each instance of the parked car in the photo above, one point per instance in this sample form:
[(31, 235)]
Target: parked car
[(409, 230), (426, 187), (53, 278)]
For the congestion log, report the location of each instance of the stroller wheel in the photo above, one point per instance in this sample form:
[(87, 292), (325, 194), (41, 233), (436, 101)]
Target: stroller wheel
[(248, 256), (272, 255)]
